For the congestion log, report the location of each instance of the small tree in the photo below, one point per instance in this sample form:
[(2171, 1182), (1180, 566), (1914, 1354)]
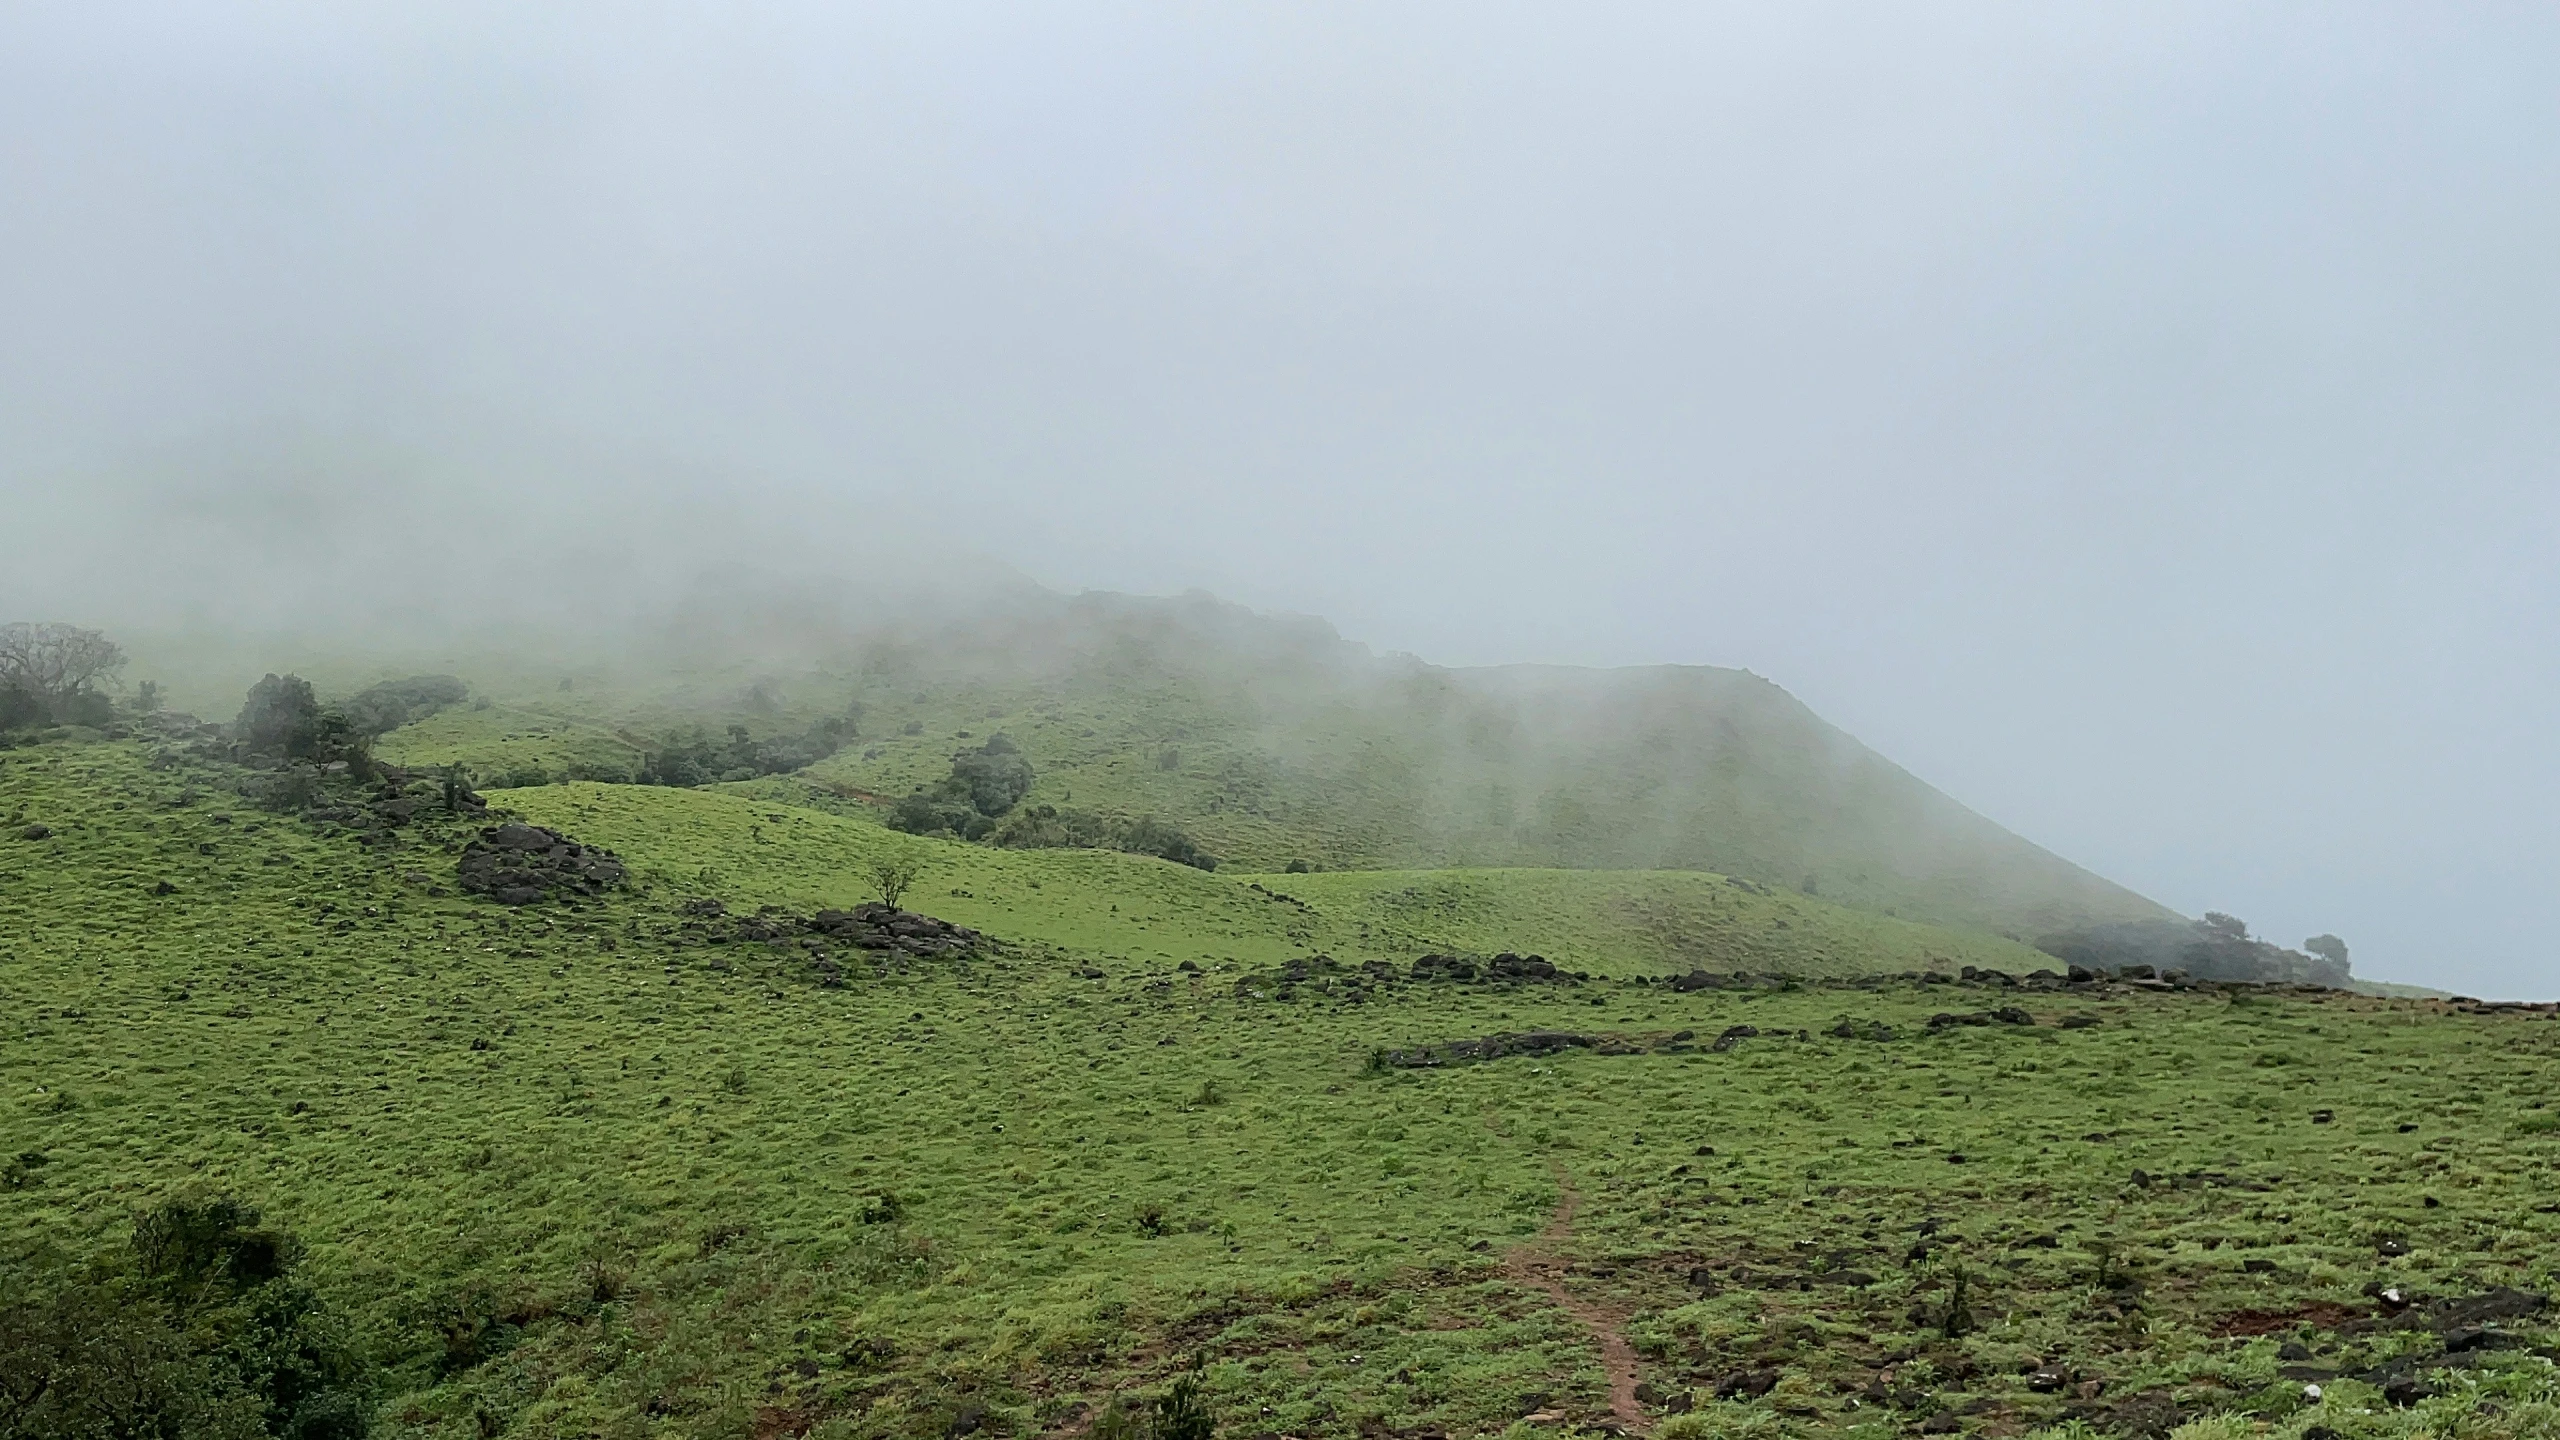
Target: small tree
[(2329, 948), (2230, 929), (893, 874), (56, 666), (281, 717)]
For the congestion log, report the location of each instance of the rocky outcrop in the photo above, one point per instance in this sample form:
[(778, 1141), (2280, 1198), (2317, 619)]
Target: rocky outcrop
[(520, 864)]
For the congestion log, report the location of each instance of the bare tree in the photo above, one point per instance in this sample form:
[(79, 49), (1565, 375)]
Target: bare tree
[(55, 663), (892, 874)]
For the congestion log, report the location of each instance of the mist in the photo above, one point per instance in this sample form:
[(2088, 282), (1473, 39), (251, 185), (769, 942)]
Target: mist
[(2139, 425)]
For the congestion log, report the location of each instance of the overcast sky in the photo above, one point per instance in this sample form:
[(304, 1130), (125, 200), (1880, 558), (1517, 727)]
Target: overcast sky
[(2139, 421)]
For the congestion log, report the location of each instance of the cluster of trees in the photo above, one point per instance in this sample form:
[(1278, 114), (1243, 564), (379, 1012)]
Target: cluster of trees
[(56, 675), (2218, 947), (380, 709), (985, 782), (200, 1328), (981, 799), (1048, 827), (695, 757)]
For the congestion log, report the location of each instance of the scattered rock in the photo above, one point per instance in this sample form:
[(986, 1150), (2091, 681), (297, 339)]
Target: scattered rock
[(2147, 1416), (2402, 1381), (1491, 1047), (1746, 1384), (36, 832), (879, 927), (519, 864), (2503, 1303), (1733, 1036), (2005, 1015), (1503, 969)]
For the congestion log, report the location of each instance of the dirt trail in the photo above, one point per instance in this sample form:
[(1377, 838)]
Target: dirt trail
[(1540, 1263)]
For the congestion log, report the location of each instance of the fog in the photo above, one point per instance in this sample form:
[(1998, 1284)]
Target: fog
[(2138, 422)]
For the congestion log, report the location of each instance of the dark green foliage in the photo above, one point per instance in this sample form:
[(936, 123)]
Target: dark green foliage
[(381, 709), (2218, 947), (88, 1359), (1177, 1413), (20, 708), (280, 718), (1045, 827), (1180, 1414), (993, 777), (1147, 835), (187, 1247), (694, 757), (51, 674), (985, 782), (204, 1332), (1955, 1317)]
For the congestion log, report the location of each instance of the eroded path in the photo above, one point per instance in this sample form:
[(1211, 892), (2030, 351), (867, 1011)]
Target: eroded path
[(1540, 1263)]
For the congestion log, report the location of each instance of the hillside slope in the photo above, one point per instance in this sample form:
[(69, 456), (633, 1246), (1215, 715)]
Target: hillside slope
[(606, 1169), (1273, 740), (1150, 912)]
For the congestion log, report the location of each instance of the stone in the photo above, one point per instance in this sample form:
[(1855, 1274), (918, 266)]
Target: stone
[(519, 864), (1746, 1384)]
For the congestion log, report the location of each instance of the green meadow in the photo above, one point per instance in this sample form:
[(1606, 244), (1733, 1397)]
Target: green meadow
[(620, 1168)]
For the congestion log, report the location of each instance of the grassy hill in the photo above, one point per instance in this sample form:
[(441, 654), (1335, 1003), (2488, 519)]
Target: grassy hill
[(1129, 907), (614, 1169), (1272, 741)]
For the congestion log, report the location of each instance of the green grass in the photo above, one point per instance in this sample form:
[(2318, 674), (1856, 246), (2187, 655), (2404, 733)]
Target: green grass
[(1272, 741), (498, 741), (1138, 909), (658, 1162)]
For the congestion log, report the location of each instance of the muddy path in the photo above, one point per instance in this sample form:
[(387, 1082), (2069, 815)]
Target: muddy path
[(1541, 1265)]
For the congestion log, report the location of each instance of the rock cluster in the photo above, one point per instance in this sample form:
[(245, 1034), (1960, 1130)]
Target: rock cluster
[(1336, 980), (883, 927), (519, 864), (864, 927), (1503, 969)]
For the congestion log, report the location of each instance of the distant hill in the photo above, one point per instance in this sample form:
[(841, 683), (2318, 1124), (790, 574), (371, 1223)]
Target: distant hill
[(1272, 740)]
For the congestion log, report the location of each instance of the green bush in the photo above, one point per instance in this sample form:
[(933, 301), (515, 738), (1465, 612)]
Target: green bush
[(200, 1330)]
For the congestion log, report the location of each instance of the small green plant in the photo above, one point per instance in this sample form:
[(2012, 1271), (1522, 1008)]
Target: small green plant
[(1152, 1222), (1180, 1414), (893, 874), (1955, 1318)]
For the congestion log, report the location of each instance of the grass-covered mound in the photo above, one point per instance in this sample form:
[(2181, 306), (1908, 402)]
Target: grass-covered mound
[(1267, 740), (1112, 905), (624, 1166)]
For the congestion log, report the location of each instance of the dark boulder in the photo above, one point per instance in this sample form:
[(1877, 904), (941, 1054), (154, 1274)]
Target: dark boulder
[(1746, 1384), (879, 927), (1733, 1036), (519, 864)]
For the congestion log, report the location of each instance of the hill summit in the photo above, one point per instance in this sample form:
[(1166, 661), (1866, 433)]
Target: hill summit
[(1273, 742)]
